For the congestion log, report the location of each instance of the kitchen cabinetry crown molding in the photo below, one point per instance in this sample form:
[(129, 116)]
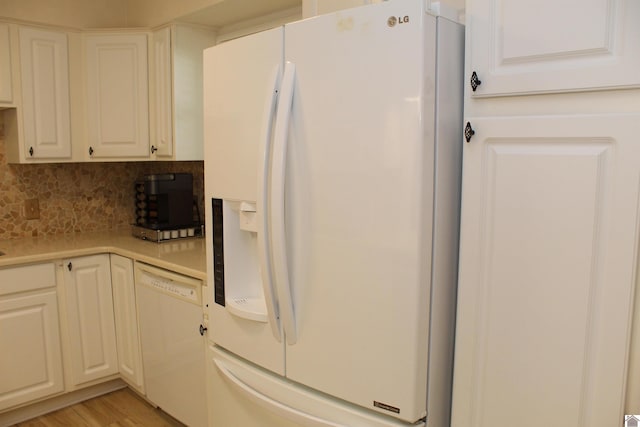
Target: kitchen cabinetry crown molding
[(40, 25)]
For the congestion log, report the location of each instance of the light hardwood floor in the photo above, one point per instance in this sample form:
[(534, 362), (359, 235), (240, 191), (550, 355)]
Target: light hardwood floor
[(117, 409)]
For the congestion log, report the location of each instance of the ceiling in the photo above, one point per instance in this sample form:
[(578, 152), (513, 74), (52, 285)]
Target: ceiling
[(227, 12)]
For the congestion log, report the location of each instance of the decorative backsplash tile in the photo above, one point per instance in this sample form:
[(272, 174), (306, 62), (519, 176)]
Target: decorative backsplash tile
[(76, 197)]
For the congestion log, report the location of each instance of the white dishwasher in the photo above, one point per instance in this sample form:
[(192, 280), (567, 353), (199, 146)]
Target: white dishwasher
[(170, 318)]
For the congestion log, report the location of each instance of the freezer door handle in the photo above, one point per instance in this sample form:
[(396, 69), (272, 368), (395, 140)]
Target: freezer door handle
[(280, 408), (277, 214), (262, 215)]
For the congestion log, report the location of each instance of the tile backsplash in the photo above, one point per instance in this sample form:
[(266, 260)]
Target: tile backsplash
[(75, 197)]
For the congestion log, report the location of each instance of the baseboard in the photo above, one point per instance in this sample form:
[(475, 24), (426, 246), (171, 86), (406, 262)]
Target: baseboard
[(62, 401)]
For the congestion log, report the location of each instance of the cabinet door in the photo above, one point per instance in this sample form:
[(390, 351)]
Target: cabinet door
[(520, 46), (31, 358), (187, 44), (45, 93), (163, 141), (126, 318), (6, 93), (90, 318), (548, 241), (117, 95)]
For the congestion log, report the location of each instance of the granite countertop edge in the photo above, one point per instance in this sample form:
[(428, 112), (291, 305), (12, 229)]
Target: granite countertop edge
[(184, 256)]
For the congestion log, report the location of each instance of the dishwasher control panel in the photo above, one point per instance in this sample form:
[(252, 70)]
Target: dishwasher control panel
[(170, 287), (184, 287)]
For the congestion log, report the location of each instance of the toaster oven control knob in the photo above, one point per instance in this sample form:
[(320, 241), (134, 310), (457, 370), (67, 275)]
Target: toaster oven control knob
[(202, 330)]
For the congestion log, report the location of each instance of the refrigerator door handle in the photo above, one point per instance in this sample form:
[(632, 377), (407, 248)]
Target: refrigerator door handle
[(262, 215), (277, 214), (280, 408)]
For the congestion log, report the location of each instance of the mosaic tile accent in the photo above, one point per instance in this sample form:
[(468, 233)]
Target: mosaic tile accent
[(77, 197)]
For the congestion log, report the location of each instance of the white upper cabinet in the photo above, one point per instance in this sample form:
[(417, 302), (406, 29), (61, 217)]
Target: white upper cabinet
[(177, 91), (6, 92), (162, 143), (523, 47), (117, 95), (46, 128)]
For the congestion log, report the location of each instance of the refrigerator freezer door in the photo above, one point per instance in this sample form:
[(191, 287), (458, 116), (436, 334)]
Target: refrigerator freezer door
[(241, 77), (358, 208), (245, 395)]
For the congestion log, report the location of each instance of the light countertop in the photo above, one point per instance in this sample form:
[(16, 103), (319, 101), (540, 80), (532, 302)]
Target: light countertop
[(185, 256)]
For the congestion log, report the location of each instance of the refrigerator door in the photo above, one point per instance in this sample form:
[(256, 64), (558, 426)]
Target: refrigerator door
[(243, 394), (237, 83), (241, 82), (358, 204)]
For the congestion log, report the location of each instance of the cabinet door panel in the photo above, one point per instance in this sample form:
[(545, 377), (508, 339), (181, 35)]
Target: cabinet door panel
[(31, 359), (6, 92), (126, 318), (163, 90), (521, 47), (90, 318), (117, 95), (548, 243), (45, 93)]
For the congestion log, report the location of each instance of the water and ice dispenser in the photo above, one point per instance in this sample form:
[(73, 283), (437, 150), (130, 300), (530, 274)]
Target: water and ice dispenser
[(237, 275)]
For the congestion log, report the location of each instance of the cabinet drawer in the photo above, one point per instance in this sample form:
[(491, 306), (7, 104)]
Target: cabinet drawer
[(27, 278)]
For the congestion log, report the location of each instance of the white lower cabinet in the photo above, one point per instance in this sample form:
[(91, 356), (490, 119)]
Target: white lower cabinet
[(126, 319), (548, 248), (30, 350), (89, 318), (90, 335)]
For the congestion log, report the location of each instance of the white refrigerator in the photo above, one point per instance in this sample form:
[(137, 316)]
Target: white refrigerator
[(332, 176)]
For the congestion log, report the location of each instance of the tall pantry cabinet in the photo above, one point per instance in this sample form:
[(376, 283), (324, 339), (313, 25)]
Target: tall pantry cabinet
[(550, 214)]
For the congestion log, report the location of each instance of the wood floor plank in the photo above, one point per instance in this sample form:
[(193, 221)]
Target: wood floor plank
[(121, 408)]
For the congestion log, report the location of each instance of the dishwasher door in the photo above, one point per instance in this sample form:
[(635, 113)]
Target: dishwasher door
[(173, 351)]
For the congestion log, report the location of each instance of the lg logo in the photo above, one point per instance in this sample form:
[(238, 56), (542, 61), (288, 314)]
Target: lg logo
[(392, 21)]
